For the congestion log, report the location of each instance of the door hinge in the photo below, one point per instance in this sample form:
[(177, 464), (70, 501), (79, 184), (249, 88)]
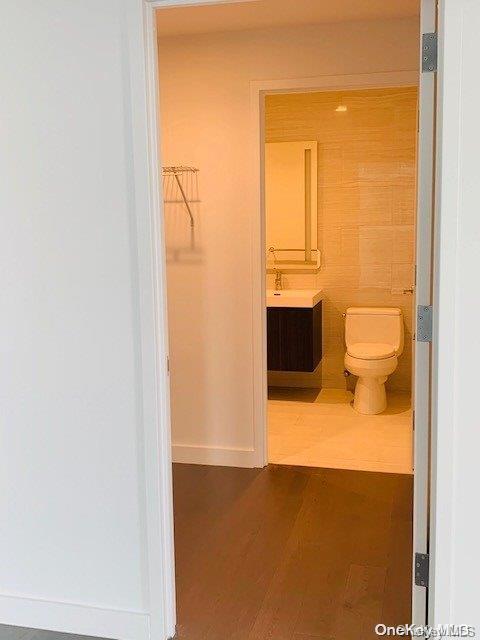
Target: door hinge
[(429, 52), (168, 364), (424, 323), (422, 562)]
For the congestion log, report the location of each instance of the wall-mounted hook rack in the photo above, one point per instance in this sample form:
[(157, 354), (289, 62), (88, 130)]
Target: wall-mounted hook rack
[(176, 171)]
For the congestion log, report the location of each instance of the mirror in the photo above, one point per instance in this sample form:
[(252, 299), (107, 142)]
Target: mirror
[(291, 204)]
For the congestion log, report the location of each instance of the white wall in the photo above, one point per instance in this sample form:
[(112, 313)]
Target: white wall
[(77, 508), (206, 118)]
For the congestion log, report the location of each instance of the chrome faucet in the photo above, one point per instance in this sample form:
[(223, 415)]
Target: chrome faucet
[(278, 280)]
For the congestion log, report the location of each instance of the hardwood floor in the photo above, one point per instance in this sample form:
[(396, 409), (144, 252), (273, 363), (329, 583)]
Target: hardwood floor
[(286, 553), (291, 553)]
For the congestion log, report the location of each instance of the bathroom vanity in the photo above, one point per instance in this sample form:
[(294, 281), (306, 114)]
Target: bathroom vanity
[(294, 329)]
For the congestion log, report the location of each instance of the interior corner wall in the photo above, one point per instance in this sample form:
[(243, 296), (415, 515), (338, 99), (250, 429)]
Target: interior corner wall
[(206, 122)]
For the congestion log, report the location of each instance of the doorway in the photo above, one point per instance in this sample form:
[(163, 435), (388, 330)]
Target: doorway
[(356, 267), (210, 135), (116, 46)]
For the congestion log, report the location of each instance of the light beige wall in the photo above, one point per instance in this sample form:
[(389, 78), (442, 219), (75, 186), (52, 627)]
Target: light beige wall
[(366, 209), (206, 121)]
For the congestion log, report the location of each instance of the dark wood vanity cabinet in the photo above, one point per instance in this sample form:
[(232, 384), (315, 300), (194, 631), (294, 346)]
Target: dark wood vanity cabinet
[(294, 338)]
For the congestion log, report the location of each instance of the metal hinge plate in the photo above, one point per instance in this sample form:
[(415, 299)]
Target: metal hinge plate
[(421, 569), (424, 323), (429, 52)]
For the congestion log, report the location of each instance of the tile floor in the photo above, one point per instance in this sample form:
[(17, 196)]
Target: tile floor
[(308, 427)]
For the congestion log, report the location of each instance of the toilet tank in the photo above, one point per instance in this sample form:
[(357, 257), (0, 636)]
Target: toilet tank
[(374, 324)]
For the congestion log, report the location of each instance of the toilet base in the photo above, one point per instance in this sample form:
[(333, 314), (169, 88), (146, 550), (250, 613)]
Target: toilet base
[(370, 395)]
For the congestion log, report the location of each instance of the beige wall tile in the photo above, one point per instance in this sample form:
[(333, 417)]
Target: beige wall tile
[(404, 244), (376, 244), (293, 280), (338, 276), (375, 276), (403, 277), (340, 245), (403, 204)]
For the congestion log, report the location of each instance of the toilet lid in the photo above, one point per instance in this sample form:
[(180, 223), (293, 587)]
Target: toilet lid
[(370, 350)]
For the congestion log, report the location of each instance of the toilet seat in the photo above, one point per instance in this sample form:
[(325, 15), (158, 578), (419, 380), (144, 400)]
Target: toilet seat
[(370, 350)]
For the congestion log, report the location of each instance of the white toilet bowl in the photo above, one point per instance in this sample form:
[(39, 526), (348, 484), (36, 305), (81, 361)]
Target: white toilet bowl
[(370, 395), (374, 339)]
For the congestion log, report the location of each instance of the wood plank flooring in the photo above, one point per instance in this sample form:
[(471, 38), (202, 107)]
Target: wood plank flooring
[(286, 553), (291, 553)]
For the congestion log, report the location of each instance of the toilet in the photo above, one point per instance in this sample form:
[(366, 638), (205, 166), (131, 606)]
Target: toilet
[(374, 341)]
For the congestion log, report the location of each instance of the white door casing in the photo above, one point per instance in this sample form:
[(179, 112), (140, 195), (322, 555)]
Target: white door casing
[(258, 90), (86, 535)]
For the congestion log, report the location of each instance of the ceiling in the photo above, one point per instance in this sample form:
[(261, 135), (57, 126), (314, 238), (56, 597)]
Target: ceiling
[(259, 14)]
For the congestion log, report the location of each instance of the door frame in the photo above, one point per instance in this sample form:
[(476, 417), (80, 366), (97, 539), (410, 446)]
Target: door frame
[(421, 396), (258, 90), (162, 589)]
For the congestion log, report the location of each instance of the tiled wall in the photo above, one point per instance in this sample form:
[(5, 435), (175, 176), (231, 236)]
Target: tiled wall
[(366, 200)]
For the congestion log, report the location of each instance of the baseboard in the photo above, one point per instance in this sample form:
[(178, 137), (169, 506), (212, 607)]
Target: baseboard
[(73, 618), (218, 456)]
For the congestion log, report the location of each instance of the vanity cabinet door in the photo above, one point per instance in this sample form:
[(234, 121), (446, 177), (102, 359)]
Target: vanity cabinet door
[(274, 340), (294, 338)]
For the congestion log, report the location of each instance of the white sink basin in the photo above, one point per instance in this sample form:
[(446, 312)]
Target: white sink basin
[(304, 298)]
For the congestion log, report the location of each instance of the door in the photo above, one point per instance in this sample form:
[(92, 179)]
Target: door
[(455, 559), (83, 500), (423, 298)]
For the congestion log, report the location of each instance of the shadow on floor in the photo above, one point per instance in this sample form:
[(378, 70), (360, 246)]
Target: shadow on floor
[(397, 402), (17, 633)]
